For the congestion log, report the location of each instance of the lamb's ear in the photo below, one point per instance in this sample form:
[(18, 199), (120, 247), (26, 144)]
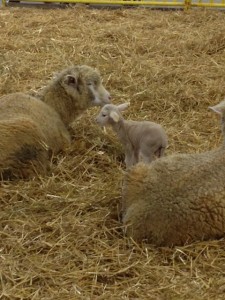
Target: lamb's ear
[(114, 115), (123, 106)]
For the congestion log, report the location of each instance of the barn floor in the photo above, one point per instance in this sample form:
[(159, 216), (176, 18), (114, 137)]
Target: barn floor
[(60, 237)]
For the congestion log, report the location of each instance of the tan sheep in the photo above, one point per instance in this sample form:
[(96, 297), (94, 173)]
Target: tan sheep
[(177, 199), (31, 128)]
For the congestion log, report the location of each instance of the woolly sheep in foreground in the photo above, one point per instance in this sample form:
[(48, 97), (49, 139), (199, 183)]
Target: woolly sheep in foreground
[(177, 199), (31, 128), (143, 140)]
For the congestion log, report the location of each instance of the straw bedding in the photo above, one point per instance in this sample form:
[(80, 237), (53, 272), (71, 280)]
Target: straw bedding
[(60, 237)]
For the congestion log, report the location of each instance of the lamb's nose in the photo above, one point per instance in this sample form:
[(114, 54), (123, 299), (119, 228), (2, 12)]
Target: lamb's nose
[(109, 98)]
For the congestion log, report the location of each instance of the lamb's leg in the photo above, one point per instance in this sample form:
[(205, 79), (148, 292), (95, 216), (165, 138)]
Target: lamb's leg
[(146, 158), (129, 159), (160, 152)]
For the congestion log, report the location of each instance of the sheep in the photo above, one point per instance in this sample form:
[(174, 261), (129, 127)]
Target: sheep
[(178, 199), (142, 141), (32, 128)]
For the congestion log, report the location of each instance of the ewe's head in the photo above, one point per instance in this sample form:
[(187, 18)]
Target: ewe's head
[(111, 114), (84, 83), (220, 109)]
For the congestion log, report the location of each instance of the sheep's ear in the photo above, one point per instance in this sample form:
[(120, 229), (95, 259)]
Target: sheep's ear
[(219, 110), (71, 80), (215, 109), (114, 115), (123, 106)]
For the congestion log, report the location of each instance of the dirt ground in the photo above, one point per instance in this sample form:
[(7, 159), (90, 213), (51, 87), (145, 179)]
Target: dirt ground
[(60, 237)]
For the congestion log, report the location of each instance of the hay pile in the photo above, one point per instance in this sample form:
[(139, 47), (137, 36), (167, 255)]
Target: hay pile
[(60, 237)]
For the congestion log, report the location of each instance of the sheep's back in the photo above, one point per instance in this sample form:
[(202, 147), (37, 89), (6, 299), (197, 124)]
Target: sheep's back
[(19, 105), (177, 199)]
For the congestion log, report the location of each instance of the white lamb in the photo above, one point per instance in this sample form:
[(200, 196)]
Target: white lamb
[(142, 140)]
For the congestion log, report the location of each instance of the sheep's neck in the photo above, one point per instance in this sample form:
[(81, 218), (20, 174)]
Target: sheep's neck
[(52, 95), (120, 129)]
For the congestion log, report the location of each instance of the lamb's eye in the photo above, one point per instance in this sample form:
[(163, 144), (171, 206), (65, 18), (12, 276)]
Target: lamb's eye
[(89, 83), (104, 115)]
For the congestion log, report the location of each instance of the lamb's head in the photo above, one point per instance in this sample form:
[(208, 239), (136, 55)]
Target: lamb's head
[(220, 109), (84, 82), (111, 114)]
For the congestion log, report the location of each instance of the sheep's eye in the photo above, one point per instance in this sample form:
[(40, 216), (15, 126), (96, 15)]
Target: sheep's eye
[(89, 83), (104, 115)]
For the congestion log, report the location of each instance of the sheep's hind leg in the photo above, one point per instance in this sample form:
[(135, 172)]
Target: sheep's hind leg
[(34, 159)]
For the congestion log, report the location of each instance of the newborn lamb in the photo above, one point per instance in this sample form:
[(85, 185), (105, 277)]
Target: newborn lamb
[(143, 140)]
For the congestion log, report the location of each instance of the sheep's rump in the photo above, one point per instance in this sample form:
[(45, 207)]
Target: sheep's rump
[(23, 152), (29, 131)]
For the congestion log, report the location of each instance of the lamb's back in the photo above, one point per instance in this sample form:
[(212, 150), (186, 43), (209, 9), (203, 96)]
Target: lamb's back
[(145, 131)]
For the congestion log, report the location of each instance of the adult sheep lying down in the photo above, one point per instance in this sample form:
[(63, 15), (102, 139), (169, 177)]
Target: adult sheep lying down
[(32, 128), (177, 199)]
